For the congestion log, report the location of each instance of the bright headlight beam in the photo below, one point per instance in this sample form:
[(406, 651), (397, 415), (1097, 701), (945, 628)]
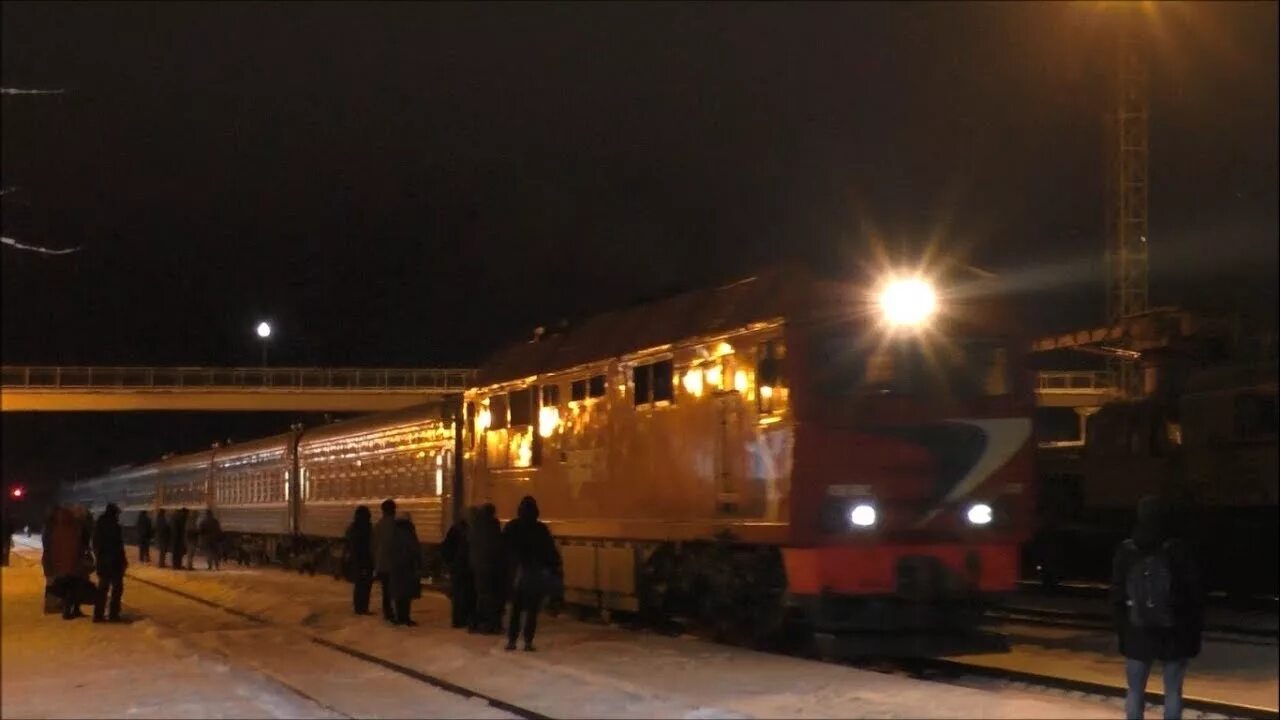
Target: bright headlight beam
[(979, 514), (863, 515), (908, 302)]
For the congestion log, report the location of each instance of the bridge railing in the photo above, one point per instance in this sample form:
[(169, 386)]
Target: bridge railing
[(195, 378), (1075, 381)]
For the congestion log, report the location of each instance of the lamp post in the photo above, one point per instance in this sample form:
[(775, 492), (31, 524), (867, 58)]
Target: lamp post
[(264, 333)]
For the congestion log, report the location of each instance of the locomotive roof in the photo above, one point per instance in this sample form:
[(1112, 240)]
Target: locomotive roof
[(768, 296)]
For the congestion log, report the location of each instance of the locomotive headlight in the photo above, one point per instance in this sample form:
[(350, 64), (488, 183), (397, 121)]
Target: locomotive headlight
[(908, 302), (979, 514), (863, 515)]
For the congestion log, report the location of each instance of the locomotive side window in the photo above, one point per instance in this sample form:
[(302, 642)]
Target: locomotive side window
[(521, 403), (641, 379), (653, 382), (663, 388), (578, 391), (771, 358), (498, 412), (550, 395), (596, 386)]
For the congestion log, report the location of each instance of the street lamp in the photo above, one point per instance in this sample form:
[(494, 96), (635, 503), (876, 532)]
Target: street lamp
[(264, 332)]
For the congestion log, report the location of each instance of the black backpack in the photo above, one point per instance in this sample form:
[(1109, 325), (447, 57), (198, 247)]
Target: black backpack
[(1149, 586)]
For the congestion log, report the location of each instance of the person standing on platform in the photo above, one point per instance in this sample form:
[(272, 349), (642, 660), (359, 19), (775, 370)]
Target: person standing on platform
[(383, 553), (456, 554), (357, 561), (164, 536), (178, 537), (406, 570), (63, 561), (211, 539), (484, 544), (108, 546), (1157, 603), (532, 552), (193, 537), (144, 537)]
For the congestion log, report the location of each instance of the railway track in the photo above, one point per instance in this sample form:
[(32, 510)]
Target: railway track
[(1239, 634), (427, 679), (956, 671)]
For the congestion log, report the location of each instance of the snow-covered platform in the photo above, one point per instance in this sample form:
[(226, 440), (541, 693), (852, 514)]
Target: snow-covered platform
[(182, 657)]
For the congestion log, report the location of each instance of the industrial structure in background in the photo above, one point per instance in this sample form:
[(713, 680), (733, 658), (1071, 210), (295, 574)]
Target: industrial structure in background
[(1184, 404)]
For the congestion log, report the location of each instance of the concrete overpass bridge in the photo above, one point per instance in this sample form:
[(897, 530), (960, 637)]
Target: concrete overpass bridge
[(115, 389)]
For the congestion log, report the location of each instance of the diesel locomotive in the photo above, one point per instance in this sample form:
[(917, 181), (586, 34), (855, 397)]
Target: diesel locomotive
[(858, 456)]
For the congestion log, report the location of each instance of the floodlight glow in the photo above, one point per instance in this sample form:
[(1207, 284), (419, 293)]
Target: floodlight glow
[(979, 514)]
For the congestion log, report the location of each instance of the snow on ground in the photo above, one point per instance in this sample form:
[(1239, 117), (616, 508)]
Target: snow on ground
[(1243, 672), (581, 669), (55, 668)]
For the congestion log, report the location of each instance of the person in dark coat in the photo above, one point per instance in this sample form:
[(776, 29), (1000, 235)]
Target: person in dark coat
[(484, 545), (457, 555), (192, 542), (178, 537), (383, 537), (108, 545), (536, 562), (406, 569), (64, 559), (1153, 630), (164, 537), (211, 539), (357, 560), (144, 537)]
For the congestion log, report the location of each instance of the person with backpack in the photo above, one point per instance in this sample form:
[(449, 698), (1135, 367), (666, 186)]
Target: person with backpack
[(532, 553), (1157, 604)]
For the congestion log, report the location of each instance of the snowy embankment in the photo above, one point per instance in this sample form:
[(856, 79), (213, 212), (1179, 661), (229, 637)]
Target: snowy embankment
[(581, 669)]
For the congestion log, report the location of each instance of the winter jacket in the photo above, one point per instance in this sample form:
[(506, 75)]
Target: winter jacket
[(383, 544), (454, 550), (163, 533), (406, 560), (145, 532), (210, 531), (484, 542), (108, 545), (358, 551), (1153, 533), (178, 532), (530, 548), (64, 548)]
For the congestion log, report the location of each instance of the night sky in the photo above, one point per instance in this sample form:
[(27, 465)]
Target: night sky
[(413, 185)]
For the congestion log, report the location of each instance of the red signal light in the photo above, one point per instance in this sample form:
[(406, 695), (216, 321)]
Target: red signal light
[(16, 492)]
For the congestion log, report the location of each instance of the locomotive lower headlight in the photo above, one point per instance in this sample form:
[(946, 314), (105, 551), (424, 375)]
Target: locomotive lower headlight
[(863, 515), (979, 514)]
